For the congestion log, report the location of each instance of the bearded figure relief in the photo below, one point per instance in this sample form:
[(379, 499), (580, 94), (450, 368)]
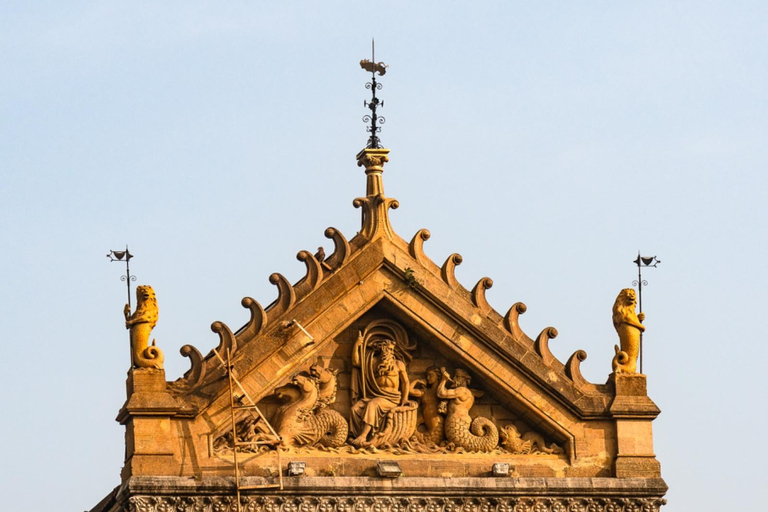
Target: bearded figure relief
[(381, 413)]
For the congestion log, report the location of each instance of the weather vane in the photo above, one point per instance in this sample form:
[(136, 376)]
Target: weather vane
[(124, 256), (642, 261), (373, 118)]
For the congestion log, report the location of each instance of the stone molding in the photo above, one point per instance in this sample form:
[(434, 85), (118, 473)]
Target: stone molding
[(404, 494), (390, 504)]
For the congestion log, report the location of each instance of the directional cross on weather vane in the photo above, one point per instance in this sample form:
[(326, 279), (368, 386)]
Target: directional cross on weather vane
[(373, 118)]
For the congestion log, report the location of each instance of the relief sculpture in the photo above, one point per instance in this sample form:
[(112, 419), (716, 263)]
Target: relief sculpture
[(433, 409), (478, 435), (530, 442), (389, 408), (381, 413), (300, 422)]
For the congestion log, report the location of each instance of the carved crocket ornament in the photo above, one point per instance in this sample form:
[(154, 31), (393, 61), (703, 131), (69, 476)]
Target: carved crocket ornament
[(140, 324), (629, 328)]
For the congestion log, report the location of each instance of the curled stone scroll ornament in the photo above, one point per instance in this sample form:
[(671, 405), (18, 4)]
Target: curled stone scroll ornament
[(341, 252), (258, 320), (313, 276), (286, 296), (478, 294), (448, 270), (196, 373), (226, 503), (416, 247)]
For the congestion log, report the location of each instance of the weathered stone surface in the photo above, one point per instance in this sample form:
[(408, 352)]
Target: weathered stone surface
[(334, 494), (446, 391)]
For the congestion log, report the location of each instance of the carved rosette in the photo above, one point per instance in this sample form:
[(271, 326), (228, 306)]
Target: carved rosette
[(390, 504)]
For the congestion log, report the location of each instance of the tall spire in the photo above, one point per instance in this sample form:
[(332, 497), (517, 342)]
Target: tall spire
[(374, 118), (373, 157)]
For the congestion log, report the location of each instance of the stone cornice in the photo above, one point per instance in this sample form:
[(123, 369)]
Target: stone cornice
[(404, 494)]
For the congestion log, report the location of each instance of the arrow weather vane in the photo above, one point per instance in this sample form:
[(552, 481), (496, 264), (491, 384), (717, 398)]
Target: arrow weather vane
[(642, 261), (373, 118)]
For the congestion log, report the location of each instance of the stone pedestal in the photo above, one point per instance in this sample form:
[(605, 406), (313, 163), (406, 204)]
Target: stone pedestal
[(146, 414), (634, 412)]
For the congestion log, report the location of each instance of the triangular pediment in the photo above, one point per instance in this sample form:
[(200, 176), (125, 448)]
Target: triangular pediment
[(379, 353), (389, 279)]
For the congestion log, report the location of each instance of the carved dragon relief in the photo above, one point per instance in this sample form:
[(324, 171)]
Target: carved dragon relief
[(302, 421)]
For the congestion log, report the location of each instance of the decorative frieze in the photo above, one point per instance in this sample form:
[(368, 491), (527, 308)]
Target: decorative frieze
[(390, 504)]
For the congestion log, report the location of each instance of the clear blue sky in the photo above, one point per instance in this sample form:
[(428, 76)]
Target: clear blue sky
[(546, 142)]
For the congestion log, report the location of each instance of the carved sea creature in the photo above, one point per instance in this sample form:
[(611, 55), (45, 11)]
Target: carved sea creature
[(326, 381), (432, 408), (141, 323), (297, 423), (530, 442), (478, 435), (249, 430), (628, 326)]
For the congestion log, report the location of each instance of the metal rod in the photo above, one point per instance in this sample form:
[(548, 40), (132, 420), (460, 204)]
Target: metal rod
[(311, 338), (234, 428), (640, 304), (128, 273)]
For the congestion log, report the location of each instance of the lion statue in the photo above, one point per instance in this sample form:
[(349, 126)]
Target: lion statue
[(141, 323), (629, 328)]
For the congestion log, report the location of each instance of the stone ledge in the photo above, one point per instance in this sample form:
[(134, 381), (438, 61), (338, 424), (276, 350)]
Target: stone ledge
[(371, 486)]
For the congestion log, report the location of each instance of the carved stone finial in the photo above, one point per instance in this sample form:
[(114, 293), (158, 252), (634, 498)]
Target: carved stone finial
[(478, 294), (375, 205), (196, 373), (141, 323), (258, 318), (628, 326), (227, 341), (541, 345), (314, 275), (448, 270), (573, 368), (416, 247), (341, 250), (512, 320), (286, 296)]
